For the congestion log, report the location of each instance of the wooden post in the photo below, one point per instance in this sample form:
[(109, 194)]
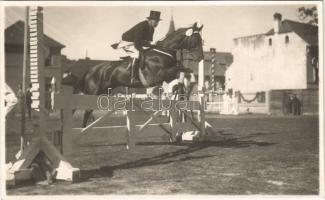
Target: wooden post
[(23, 100), (201, 75), (202, 117), (130, 123), (172, 123), (23, 121), (267, 102), (66, 125), (200, 84), (20, 169)]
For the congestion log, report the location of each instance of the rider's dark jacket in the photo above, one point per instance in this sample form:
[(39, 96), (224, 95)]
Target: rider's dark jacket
[(141, 34)]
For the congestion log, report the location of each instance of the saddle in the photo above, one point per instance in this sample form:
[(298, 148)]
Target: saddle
[(133, 66)]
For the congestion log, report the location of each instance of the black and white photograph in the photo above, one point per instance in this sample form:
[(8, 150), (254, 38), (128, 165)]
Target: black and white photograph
[(172, 99)]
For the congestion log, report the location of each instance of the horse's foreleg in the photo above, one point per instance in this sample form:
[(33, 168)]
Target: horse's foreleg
[(86, 117)]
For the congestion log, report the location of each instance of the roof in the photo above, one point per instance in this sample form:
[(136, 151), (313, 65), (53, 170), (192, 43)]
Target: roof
[(14, 34), (222, 61), (308, 32), (81, 66)]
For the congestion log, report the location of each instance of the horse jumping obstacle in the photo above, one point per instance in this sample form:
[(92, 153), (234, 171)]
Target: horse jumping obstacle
[(66, 101)]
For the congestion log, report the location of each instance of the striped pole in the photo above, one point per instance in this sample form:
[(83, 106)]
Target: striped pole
[(212, 68), (37, 63)]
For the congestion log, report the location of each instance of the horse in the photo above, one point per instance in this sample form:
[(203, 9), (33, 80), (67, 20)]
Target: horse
[(157, 64)]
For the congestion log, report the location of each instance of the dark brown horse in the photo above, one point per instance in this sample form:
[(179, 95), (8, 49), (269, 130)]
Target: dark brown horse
[(157, 65)]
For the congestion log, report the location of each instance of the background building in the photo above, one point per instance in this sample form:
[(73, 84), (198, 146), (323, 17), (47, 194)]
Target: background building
[(14, 52), (281, 62)]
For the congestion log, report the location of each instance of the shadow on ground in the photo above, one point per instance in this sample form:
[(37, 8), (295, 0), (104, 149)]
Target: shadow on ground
[(170, 157)]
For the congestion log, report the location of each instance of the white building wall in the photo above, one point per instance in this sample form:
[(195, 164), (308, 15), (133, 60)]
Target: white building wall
[(260, 67)]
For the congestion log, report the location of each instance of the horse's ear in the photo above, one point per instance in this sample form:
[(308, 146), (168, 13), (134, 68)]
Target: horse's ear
[(195, 25), (200, 28)]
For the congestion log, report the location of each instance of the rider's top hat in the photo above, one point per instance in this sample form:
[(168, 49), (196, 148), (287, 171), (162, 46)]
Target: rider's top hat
[(155, 15)]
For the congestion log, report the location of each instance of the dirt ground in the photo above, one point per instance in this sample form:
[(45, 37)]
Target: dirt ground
[(260, 155)]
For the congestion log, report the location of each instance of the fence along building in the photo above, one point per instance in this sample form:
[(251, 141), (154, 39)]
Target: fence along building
[(275, 65)]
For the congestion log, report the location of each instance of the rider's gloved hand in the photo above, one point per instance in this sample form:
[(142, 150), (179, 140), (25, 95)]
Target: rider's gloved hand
[(147, 45)]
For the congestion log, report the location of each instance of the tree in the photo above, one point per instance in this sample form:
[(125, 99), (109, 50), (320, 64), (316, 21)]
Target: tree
[(308, 14)]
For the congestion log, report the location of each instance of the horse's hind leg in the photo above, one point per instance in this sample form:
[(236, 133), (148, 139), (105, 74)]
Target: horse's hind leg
[(86, 117)]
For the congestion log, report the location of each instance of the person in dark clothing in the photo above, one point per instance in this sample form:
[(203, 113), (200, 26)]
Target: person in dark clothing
[(141, 34), (138, 38), (29, 101), (289, 105), (296, 105)]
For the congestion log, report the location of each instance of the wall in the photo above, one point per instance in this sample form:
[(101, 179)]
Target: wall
[(312, 67), (259, 66), (279, 101), (13, 70), (13, 77)]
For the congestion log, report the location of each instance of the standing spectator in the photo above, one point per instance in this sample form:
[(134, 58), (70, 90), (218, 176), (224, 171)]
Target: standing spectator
[(289, 105), (296, 105), (20, 96), (29, 101)]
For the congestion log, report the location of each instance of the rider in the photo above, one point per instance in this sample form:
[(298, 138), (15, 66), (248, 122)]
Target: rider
[(138, 38)]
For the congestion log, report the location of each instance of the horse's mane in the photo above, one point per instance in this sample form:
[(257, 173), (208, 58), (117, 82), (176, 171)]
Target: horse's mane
[(172, 34), (177, 31)]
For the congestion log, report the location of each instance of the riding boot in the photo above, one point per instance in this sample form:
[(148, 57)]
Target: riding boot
[(134, 70)]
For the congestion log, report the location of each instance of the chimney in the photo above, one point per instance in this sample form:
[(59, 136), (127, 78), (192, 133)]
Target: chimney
[(277, 22)]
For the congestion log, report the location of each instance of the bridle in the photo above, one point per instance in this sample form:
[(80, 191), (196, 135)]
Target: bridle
[(183, 45)]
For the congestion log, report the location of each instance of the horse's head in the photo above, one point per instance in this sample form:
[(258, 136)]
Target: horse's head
[(188, 39), (193, 43)]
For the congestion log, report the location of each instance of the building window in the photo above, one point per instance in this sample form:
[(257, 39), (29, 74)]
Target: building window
[(314, 62), (270, 42), (287, 39), (261, 97)]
